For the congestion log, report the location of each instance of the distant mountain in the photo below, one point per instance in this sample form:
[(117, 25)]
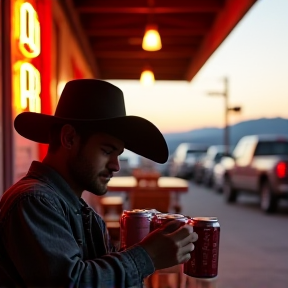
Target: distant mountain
[(214, 136)]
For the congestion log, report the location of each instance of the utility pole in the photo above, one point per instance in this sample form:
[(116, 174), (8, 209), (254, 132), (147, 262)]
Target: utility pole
[(225, 94), (226, 128)]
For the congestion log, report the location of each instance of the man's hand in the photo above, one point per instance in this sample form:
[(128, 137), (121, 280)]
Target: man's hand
[(170, 244)]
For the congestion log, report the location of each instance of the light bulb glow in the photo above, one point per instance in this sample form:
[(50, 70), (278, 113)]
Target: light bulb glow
[(147, 78), (151, 40)]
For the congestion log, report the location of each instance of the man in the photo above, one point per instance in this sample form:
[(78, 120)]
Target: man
[(49, 237)]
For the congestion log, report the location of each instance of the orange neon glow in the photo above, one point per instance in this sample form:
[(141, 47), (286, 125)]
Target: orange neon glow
[(30, 87), (27, 86), (29, 37)]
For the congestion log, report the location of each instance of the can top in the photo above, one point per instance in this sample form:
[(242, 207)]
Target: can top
[(169, 216), (205, 219), (153, 211), (137, 212)]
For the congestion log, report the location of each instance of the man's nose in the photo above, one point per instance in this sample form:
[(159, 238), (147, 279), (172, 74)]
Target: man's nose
[(113, 164)]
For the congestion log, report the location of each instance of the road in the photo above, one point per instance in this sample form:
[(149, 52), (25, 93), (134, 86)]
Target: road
[(253, 246)]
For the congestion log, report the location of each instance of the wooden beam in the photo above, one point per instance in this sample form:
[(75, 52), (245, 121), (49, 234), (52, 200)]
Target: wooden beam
[(154, 63), (166, 7), (180, 21), (134, 32), (75, 25), (145, 55), (146, 10), (176, 22), (226, 21), (103, 20), (132, 76), (123, 44), (139, 69), (126, 43)]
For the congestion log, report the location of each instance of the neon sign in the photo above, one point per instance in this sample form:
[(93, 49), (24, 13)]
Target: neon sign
[(30, 87), (28, 36), (29, 39)]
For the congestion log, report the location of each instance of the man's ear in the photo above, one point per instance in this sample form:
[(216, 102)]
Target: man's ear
[(68, 136)]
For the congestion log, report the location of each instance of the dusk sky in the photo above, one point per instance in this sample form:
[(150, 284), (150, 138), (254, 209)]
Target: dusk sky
[(254, 57)]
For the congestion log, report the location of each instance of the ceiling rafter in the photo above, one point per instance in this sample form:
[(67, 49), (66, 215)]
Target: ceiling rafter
[(132, 32), (159, 7), (120, 21), (191, 30), (147, 10), (140, 62), (139, 70), (167, 22), (100, 43), (144, 54), (133, 76)]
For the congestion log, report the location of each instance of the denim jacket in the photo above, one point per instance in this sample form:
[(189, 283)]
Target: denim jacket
[(51, 238)]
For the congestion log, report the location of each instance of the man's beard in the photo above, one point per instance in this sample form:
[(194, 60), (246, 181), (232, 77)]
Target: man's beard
[(84, 174)]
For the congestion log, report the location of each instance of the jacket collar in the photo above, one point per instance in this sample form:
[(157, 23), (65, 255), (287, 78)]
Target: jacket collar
[(53, 179)]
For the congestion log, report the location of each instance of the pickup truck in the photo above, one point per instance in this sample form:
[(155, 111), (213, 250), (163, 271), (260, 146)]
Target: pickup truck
[(258, 164)]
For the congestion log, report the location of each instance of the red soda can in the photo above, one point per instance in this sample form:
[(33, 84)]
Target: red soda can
[(161, 218), (134, 226), (204, 258)]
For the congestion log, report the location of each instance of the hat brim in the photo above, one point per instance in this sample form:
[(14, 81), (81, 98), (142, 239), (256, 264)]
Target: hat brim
[(138, 134)]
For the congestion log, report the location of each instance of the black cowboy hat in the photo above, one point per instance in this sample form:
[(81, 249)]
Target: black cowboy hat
[(100, 105)]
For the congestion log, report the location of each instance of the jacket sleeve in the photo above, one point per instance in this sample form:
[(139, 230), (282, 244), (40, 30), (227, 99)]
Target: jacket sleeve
[(40, 242)]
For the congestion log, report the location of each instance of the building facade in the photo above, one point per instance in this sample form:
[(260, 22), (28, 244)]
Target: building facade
[(39, 54)]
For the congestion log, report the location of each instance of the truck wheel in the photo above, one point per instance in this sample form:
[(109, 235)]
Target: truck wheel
[(230, 194), (268, 200)]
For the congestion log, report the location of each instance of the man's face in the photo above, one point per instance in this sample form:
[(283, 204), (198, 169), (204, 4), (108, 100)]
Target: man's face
[(94, 162)]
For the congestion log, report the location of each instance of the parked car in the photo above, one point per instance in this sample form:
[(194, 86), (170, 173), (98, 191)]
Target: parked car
[(128, 160), (184, 159), (259, 164), (205, 167), (219, 171), (198, 169), (165, 168)]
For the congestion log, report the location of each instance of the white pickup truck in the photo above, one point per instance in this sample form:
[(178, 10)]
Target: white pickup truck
[(259, 164)]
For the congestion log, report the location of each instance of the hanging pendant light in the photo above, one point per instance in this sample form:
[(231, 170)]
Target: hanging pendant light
[(147, 77), (151, 39)]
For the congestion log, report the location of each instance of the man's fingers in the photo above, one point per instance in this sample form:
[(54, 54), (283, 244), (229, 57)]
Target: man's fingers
[(189, 239), (172, 226), (171, 244), (194, 237), (185, 258), (184, 233), (188, 248), (185, 252)]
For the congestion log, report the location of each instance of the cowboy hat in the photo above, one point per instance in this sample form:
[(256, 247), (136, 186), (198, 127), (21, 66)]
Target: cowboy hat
[(100, 105)]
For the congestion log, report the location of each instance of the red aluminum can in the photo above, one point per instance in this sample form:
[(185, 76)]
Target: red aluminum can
[(134, 226), (204, 258), (161, 218)]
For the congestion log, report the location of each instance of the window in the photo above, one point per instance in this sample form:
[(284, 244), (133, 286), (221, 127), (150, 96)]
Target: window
[(271, 148), (218, 157)]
